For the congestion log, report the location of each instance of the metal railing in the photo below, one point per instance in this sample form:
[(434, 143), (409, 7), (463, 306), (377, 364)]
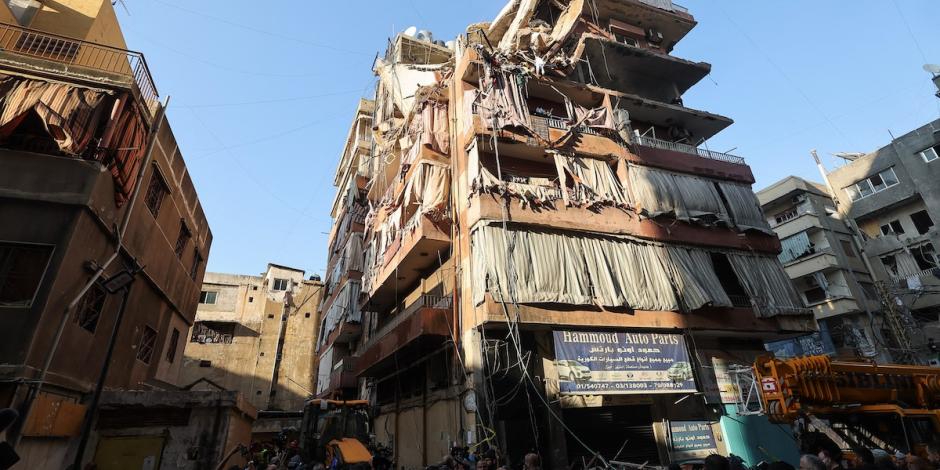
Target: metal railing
[(685, 148), (81, 59), (740, 301), (929, 272), (425, 301)]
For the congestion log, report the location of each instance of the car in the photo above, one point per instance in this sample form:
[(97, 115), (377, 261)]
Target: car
[(572, 371), (679, 372)]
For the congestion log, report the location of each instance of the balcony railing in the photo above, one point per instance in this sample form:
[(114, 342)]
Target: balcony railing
[(80, 58), (425, 301), (740, 301), (685, 148)]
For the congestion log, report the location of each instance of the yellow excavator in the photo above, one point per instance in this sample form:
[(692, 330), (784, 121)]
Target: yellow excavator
[(854, 404), (336, 433)]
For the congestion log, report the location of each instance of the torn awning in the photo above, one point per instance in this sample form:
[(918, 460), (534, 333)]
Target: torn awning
[(74, 117)]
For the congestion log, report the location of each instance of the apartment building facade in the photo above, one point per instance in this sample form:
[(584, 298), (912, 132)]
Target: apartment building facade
[(891, 195), (549, 259), (89, 171), (256, 335), (820, 255)]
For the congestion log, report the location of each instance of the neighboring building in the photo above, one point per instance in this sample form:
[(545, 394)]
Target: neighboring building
[(186, 430), (80, 118), (256, 335), (893, 197), (547, 254), (820, 255)]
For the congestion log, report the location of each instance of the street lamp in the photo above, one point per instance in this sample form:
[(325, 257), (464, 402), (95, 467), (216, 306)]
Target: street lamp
[(120, 282)]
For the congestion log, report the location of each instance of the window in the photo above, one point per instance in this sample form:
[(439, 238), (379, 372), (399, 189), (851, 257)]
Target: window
[(148, 338), (197, 263), (929, 154), (890, 263), (307, 315), (205, 363), (624, 39), (925, 256), (251, 299), (182, 239), (873, 184), (280, 284), (785, 216), (174, 343), (213, 332), (88, 310), (922, 221), (208, 297), (21, 270), (156, 192), (815, 295), (848, 249), (892, 227)]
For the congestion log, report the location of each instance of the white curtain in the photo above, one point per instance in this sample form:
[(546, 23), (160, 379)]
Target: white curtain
[(593, 181), (344, 308)]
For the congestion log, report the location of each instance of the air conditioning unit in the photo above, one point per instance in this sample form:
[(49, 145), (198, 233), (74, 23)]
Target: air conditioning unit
[(654, 36)]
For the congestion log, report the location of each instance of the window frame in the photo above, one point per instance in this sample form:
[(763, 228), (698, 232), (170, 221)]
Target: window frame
[(182, 239), (204, 296), (150, 335), (83, 306), (174, 344), (930, 257), (156, 177), (855, 192), (932, 149), (917, 225), (197, 263), (42, 276), (274, 284)]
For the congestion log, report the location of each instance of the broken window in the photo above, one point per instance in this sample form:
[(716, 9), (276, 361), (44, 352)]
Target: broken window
[(925, 256), (146, 343), (892, 227), (280, 284), (922, 221), (156, 192), (174, 343), (88, 310), (208, 297), (182, 239), (213, 332), (729, 281), (22, 268), (929, 154)]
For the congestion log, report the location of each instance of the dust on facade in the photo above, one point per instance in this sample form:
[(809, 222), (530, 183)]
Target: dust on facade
[(537, 179)]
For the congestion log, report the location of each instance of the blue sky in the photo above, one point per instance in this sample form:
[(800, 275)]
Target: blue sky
[(263, 93)]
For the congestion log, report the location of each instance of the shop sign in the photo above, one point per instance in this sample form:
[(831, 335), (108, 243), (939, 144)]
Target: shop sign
[(597, 363), (691, 440)]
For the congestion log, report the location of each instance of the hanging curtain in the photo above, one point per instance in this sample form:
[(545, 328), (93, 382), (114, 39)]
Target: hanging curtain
[(688, 198), (767, 284), (795, 247), (744, 207), (593, 181)]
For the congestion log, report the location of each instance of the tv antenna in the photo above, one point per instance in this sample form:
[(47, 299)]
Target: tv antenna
[(115, 2)]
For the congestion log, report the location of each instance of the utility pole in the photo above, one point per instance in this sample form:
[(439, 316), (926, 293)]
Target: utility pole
[(889, 307), (899, 332)]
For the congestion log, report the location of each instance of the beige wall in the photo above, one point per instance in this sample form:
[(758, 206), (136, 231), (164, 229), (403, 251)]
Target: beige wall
[(90, 20), (249, 363)]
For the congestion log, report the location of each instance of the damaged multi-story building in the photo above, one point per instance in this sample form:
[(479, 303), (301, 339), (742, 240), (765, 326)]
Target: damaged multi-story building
[(256, 335), (820, 254), (91, 181), (891, 197), (534, 249)]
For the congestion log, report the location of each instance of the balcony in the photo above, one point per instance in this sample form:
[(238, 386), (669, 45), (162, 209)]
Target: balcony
[(428, 320), (834, 306), (821, 260), (640, 71), (413, 251), (342, 376), (806, 221), (687, 149), (55, 56)]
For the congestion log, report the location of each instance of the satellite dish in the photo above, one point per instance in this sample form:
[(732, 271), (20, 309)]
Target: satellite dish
[(932, 68), (410, 31), (424, 35)]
